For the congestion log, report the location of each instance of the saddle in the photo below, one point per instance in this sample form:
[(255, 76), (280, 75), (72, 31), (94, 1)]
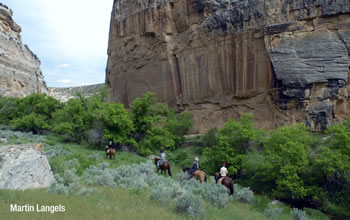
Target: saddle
[(162, 162), (221, 179)]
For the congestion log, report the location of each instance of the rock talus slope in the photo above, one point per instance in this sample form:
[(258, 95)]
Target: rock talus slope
[(284, 61), (20, 73)]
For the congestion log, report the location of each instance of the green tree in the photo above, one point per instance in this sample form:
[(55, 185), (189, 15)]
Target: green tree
[(179, 125), (34, 113), (287, 152), (233, 142), (8, 109), (146, 111), (117, 123), (75, 119), (157, 138)]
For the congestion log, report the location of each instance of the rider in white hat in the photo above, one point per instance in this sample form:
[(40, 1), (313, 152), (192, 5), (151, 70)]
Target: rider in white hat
[(194, 167)]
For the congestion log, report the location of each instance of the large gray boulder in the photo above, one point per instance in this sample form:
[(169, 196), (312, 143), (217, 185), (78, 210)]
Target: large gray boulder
[(24, 167)]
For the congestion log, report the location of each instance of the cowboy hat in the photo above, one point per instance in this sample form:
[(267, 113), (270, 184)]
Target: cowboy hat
[(196, 159)]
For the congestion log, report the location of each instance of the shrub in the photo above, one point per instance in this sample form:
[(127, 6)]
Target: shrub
[(95, 156), (87, 191), (74, 119), (71, 163), (98, 175), (56, 151), (232, 144), (157, 138), (217, 195), (67, 184), (298, 214), (179, 125), (287, 152), (117, 122), (210, 138), (315, 214), (161, 193), (188, 204), (145, 112), (272, 211), (246, 195)]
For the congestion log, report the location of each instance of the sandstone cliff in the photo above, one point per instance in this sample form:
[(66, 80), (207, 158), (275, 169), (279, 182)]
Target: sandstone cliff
[(284, 61), (20, 73)]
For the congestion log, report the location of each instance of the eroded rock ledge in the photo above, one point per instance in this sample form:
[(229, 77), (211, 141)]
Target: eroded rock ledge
[(20, 73), (284, 61)]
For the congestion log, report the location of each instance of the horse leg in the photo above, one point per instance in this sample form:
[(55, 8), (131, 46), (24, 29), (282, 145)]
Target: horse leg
[(232, 188), (169, 171)]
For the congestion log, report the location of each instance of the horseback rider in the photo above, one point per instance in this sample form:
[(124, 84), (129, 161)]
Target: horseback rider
[(223, 172), (162, 158), (195, 167), (109, 146)]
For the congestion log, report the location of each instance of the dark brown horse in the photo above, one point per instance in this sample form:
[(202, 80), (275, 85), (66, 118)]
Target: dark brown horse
[(165, 166), (226, 181), (110, 152), (198, 174)]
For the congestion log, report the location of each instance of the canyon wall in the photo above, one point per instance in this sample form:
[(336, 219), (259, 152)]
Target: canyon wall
[(283, 61), (20, 73)]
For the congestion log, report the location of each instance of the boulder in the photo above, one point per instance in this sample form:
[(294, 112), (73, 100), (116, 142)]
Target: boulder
[(24, 167)]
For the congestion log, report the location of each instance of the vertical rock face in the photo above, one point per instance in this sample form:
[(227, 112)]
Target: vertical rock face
[(284, 61), (20, 73)]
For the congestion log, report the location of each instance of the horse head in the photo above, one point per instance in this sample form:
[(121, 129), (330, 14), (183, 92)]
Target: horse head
[(186, 169), (216, 174)]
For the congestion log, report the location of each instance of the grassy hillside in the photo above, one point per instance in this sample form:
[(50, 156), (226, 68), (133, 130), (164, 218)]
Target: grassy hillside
[(119, 202)]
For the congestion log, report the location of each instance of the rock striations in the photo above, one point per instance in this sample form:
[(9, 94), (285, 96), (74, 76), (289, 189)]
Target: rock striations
[(20, 73), (284, 61)]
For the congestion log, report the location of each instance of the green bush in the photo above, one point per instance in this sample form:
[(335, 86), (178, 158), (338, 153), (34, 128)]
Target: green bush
[(74, 120), (287, 163), (189, 204), (233, 142), (210, 138), (117, 122), (145, 112), (32, 113), (157, 138), (179, 125)]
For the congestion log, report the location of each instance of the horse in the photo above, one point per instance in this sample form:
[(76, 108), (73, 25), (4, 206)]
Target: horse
[(226, 181), (198, 174), (110, 152), (165, 166)]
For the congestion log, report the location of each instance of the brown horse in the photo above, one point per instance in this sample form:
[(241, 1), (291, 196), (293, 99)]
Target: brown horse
[(198, 174), (226, 181), (165, 166), (110, 153)]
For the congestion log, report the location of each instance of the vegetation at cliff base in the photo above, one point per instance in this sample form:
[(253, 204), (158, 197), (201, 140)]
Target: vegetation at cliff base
[(290, 164)]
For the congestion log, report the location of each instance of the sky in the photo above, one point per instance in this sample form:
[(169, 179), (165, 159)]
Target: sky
[(70, 37)]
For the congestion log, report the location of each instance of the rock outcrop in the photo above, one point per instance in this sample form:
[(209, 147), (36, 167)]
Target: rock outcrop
[(20, 73), (64, 94), (284, 61), (24, 167)]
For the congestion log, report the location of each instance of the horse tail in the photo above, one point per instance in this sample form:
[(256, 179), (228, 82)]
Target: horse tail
[(169, 171), (231, 189), (205, 178)]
